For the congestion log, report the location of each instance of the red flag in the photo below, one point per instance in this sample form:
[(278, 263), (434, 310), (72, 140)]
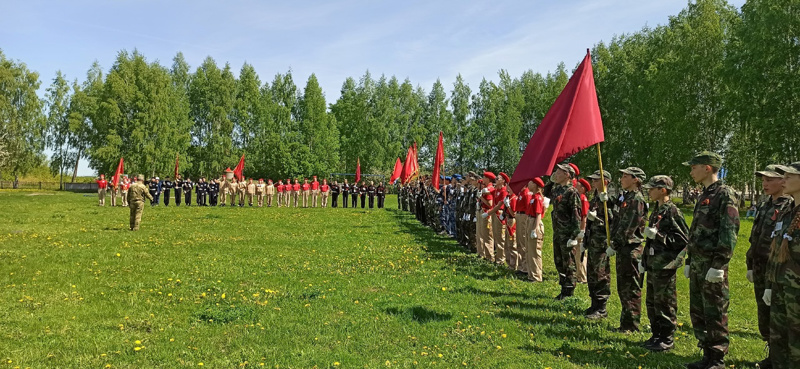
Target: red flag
[(358, 170), (239, 169), (438, 161), (120, 170), (176, 166), (414, 167), (398, 170), (572, 124)]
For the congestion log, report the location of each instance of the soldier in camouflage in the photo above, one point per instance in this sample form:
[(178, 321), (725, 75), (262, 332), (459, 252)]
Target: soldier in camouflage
[(598, 268), (566, 220), (760, 241), (782, 291), (627, 237), (667, 237), (712, 239)]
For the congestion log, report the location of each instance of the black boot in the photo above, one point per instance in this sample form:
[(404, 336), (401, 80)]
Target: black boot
[(661, 344), (560, 294), (591, 309), (767, 362), (599, 312), (716, 360), (565, 292), (702, 364)]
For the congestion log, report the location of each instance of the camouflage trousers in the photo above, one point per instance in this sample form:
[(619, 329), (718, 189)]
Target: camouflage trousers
[(136, 214), (784, 342), (629, 286), (662, 302), (759, 284), (598, 272), (564, 258), (708, 308)]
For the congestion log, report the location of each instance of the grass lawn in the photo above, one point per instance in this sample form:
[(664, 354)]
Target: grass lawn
[(296, 288)]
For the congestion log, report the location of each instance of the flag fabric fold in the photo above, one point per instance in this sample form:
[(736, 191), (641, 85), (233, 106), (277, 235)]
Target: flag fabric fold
[(358, 170), (120, 170), (438, 161), (239, 170), (572, 124), (398, 169), (176, 167)]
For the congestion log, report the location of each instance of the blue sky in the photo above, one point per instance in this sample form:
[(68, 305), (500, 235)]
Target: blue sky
[(419, 40)]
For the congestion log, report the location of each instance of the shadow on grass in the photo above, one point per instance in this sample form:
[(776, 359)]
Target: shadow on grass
[(419, 314)]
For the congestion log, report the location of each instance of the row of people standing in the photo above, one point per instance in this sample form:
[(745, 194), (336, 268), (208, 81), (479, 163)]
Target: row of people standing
[(224, 192)]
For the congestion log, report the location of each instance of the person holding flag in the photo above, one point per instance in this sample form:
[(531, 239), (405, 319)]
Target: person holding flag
[(179, 190)]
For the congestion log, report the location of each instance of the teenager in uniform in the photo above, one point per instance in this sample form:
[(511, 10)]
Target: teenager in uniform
[(136, 196), (483, 227), (534, 212), (102, 186), (335, 191), (187, 191)]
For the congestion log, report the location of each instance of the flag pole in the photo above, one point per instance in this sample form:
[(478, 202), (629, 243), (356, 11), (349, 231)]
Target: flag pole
[(605, 203)]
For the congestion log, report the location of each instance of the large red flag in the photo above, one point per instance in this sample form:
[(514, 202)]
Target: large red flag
[(414, 167), (398, 169), (238, 171), (120, 170), (176, 166), (572, 124), (406, 174), (438, 161), (358, 170)]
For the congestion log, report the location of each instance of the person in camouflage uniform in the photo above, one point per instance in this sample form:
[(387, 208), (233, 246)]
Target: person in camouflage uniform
[(598, 268), (760, 241), (712, 239), (667, 237), (782, 291), (566, 220), (136, 195), (626, 242), (473, 191)]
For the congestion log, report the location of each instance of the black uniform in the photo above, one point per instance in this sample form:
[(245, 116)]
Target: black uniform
[(371, 194), (213, 192), (167, 186), (178, 191), (187, 191), (335, 195), (201, 189), (381, 193), (345, 194), (152, 187), (362, 192)]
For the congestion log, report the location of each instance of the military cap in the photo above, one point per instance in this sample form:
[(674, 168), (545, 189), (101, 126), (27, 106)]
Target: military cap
[(793, 168), (705, 158), (489, 175), (567, 168), (771, 171), (659, 182), (448, 178), (597, 175), (635, 172), (472, 174), (505, 177)]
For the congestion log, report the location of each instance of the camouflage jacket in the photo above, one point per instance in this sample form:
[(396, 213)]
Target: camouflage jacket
[(763, 226), (566, 214), (712, 236), (786, 241), (667, 249), (596, 229), (629, 225)]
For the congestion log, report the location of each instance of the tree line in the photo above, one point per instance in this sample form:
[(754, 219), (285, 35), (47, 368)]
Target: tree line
[(713, 77)]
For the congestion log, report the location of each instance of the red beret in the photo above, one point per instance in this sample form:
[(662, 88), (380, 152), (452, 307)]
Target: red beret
[(489, 175), (505, 177), (539, 182), (575, 168), (585, 184)]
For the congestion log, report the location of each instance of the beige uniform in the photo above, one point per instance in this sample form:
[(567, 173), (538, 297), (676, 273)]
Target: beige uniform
[(136, 195), (242, 192), (534, 249), (124, 191), (260, 194), (270, 193), (484, 232), (251, 193)]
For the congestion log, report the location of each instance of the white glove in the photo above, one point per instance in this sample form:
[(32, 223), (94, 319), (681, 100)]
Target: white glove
[(767, 297), (592, 215), (650, 232), (610, 252), (534, 235), (581, 234), (474, 220), (546, 203), (603, 196), (485, 215), (715, 275), (572, 243), (750, 276), (485, 190), (686, 271), (641, 268), (507, 201)]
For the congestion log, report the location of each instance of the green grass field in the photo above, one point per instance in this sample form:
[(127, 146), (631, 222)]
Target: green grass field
[(296, 288)]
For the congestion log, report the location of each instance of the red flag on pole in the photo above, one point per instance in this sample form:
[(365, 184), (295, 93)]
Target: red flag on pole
[(398, 170), (120, 170), (239, 169), (438, 161), (176, 166), (358, 170), (572, 124), (414, 167)]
